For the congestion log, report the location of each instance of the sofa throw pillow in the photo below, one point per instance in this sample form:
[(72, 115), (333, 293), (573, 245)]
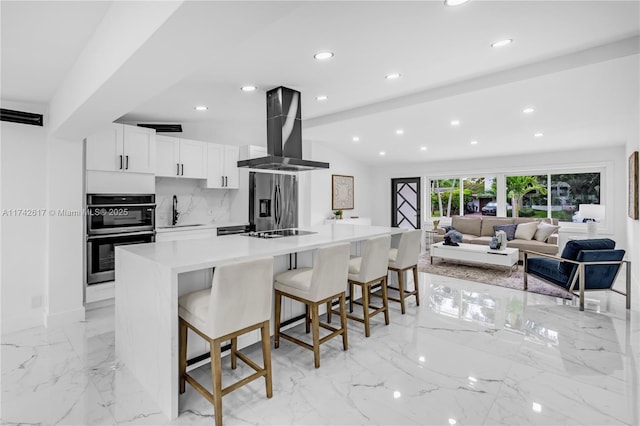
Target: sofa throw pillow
[(510, 230), (526, 231), (544, 231)]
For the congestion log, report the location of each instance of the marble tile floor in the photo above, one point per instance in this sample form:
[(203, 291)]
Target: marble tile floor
[(470, 354)]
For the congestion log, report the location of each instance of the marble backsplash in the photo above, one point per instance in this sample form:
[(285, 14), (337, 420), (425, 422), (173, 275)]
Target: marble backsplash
[(196, 205)]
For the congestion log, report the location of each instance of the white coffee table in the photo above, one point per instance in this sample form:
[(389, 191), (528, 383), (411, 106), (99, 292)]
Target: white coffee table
[(475, 253)]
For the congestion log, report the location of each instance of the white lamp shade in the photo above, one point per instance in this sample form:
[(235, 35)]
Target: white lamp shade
[(592, 211)]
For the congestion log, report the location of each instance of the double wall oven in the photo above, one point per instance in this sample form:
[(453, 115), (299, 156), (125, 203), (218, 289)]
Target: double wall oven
[(114, 220)]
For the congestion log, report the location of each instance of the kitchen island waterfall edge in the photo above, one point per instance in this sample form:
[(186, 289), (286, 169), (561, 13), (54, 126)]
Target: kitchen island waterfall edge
[(151, 277)]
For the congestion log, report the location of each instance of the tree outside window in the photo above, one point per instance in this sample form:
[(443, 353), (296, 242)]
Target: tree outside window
[(525, 194), (445, 197)]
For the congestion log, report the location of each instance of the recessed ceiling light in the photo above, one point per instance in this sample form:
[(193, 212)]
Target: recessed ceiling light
[(502, 43), (321, 56), (382, 153), (538, 134), (393, 76), (528, 110), (474, 142), (454, 2), (423, 148), (248, 88), (356, 139), (455, 122), (399, 132), (322, 98), (201, 108)]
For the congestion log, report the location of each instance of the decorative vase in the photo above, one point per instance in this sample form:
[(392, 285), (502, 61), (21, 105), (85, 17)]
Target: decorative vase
[(435, 224)]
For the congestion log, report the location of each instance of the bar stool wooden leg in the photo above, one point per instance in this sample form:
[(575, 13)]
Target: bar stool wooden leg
[(343, 321), (329, 311), (401, 290), (276, 332), (266, 358), (234, 352), (365, 308), (416, 287), (216, 379), (183, 354), (350, 297), (385, 300), (307, 318), (316, 334)]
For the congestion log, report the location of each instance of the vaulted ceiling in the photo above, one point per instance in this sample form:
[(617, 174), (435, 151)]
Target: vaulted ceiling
[(574, 62)]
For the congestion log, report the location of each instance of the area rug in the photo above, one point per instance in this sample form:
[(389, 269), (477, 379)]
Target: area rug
[(488, 274)]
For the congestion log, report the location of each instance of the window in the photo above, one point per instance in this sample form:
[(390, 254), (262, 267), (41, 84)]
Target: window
[(539, 195), (527, 196), (445, 197), (570, 190), (479, 196), (552, 195)]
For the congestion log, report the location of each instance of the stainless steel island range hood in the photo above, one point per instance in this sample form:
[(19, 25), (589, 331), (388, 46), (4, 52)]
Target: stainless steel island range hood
[(284, 135)]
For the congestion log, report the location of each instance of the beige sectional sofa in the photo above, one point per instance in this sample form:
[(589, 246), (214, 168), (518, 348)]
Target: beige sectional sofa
[(479, 230)]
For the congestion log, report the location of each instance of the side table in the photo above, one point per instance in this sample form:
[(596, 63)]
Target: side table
[(428, 238)]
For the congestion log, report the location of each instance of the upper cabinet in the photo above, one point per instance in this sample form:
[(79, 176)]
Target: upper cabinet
[(223, 166), (178, 157), (122, 148)]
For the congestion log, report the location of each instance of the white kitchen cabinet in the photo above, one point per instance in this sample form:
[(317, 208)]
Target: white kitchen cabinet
[(178, 157), (223, 166), (122, 148)]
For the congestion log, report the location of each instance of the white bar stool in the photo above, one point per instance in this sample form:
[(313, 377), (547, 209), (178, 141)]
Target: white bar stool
[(403, 258), (327, 280), (239, 301), (369, 269)]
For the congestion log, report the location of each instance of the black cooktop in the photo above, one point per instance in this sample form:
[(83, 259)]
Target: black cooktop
[(279, 233)]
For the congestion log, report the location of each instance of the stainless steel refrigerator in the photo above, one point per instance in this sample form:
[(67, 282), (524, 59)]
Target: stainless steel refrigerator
[(273, 201)]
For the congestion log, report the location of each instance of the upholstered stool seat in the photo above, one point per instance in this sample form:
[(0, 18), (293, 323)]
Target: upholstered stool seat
[(238, 302), (365, 271), (296, 282), (323, 283), (403, 258)]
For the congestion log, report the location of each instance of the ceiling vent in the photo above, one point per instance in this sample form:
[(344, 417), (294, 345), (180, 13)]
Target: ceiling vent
[(20, 117), (164, 128)]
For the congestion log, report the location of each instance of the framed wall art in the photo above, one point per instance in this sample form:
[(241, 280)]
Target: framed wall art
[(633, 185), (341, 192)]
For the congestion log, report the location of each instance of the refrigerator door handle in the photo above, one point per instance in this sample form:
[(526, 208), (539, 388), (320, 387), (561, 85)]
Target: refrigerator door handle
[(277, 205)]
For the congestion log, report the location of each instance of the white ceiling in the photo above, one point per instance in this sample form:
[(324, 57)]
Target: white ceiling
[(448, 70)]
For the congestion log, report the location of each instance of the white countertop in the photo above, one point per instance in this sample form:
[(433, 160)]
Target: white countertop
[(161, 229), (189, 255), (151, 277)]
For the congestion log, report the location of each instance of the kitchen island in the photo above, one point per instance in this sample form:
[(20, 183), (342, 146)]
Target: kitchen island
[(151, 277)]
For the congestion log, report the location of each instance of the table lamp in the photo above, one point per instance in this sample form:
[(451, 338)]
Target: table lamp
[(592, 214)]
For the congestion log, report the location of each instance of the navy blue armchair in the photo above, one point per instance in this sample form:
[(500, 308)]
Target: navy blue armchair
[(591, 264)]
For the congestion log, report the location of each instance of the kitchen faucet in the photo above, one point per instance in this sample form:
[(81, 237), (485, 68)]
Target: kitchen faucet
[(176, 214)]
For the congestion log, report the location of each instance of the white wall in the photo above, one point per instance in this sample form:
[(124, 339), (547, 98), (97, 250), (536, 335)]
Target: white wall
[(64, 185), (42, 254), (633, 226), (319, 187), (24, 238)]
